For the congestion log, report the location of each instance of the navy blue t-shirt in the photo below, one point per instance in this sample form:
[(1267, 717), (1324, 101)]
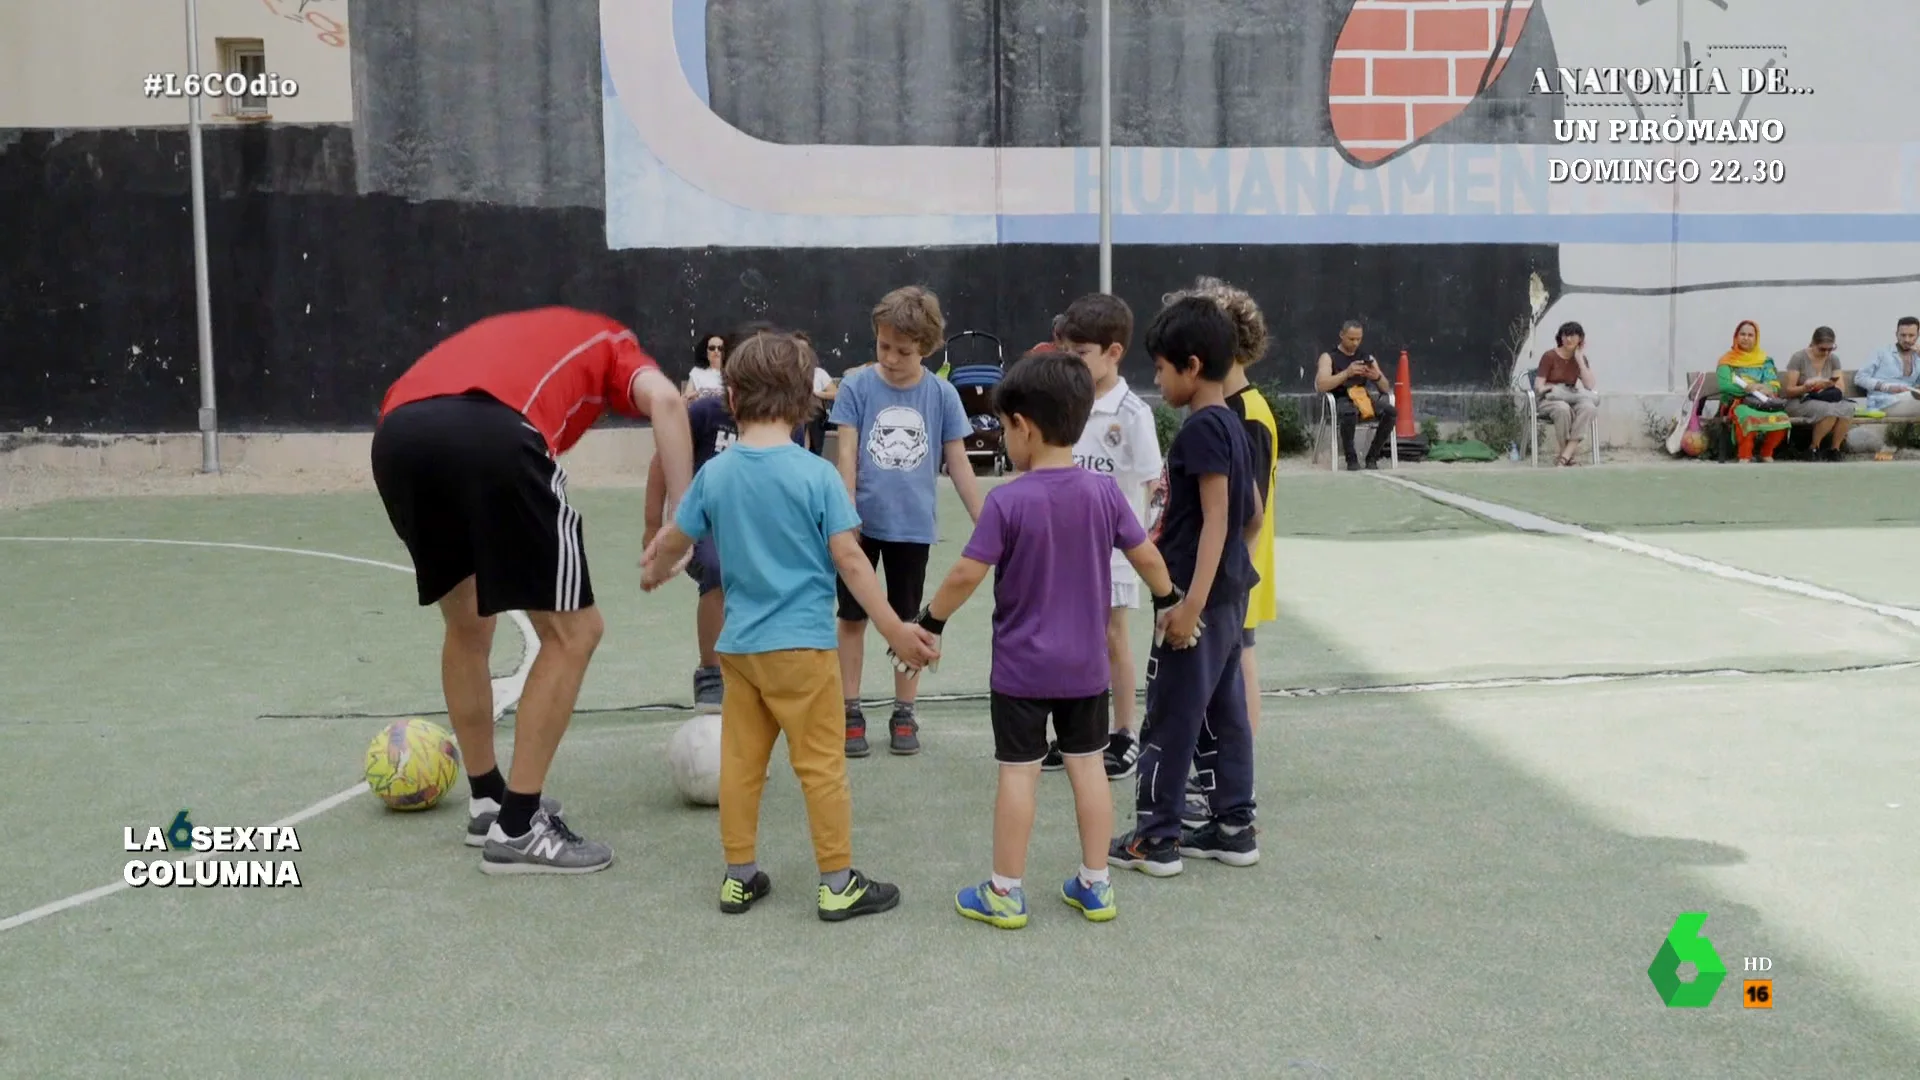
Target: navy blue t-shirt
[(1211, 442), (714, 430)]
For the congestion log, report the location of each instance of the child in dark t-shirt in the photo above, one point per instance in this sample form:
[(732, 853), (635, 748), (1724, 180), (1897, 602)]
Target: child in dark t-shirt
[(1193, 673)]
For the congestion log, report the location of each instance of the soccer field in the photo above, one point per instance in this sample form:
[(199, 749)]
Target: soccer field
[(1515, 723)]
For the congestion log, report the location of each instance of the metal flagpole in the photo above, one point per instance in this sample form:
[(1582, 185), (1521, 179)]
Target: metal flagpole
[(1106, 146), (203, 306)]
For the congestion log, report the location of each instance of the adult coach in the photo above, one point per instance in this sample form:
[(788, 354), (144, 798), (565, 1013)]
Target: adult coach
[(466, 462)]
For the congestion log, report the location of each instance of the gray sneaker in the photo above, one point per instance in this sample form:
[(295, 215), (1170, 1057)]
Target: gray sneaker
[(481, 820), (548, 848), (708, 688)]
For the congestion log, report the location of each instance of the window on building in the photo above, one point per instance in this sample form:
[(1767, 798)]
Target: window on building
[(246, 57)]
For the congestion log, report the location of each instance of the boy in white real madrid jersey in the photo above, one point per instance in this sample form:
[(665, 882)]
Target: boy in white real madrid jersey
[(1119, 441)]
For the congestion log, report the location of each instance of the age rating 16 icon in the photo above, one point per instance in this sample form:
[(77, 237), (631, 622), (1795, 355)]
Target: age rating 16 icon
[(1685, 944)]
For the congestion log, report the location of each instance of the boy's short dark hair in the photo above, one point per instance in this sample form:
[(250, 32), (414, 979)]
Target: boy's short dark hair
[(771, 377), (1101, 319), (1194, 326), (1568, 330), (1053, 390)]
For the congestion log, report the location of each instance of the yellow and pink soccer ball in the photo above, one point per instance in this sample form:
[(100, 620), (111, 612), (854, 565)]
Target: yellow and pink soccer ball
[(1693, 443), (412, 764)]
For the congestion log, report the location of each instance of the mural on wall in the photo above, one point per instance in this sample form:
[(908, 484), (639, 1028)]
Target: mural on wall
[(1367, 125)]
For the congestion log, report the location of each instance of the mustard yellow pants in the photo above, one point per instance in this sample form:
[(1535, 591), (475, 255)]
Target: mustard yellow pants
[(796, 691)]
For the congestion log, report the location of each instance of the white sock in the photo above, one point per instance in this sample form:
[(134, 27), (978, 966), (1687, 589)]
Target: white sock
[(1005, 884), (1233, 830), (1091, 876), (476, 807)]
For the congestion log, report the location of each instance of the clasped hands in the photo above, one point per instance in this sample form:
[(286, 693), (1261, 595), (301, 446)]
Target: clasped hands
[(917, 643)]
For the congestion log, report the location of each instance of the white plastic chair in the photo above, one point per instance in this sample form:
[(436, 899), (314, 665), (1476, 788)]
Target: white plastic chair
[(1336, 453), (1533, 421)]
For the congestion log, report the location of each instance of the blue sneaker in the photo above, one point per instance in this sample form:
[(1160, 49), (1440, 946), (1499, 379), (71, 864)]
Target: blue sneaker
[(981, 903), (1094, 901)]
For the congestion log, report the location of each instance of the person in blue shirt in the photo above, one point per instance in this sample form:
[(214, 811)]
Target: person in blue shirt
[(711, 422), (1891, 377), (896, 424), (783, 526)]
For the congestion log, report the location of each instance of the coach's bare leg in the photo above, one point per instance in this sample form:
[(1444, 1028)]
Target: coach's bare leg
[(466, 677), (567, 641), (853, 654)]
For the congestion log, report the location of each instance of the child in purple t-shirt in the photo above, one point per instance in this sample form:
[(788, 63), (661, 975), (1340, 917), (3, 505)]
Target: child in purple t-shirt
[(1050, 532)]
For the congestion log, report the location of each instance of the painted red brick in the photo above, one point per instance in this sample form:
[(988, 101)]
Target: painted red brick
[(1516, 22), (1348, 78), (1422, 77), (1368, 123), (1428, 118), (1447, 31), (1466, 74), (1373, 29)]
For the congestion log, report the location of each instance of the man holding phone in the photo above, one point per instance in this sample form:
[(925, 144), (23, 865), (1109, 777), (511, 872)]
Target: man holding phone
[(1359, 390)]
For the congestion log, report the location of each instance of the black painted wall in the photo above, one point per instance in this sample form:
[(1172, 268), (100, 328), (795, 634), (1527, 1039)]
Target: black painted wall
[(339, 254)]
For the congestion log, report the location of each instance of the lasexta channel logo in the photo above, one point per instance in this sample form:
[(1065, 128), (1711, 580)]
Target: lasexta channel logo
[(1685, 944)]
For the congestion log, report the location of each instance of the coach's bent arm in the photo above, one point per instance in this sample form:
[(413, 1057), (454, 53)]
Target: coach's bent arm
[(672, 436)]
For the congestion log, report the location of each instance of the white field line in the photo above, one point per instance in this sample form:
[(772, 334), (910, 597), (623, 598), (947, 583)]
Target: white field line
[(1530, 522), (506, 693)]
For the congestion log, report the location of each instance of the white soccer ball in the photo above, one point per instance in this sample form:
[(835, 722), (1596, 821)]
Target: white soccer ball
[(694, 757)]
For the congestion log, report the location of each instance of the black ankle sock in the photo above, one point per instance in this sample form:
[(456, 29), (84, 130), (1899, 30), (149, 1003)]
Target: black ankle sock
[(490, 785), (516, 812)]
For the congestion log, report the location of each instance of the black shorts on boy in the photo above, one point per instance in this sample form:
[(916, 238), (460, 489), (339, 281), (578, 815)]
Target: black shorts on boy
[(1020, 726), (902, 565)]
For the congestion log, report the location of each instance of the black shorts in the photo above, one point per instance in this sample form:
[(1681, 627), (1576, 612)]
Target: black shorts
[(1246, 638), (473, 492), (1020, 727), (905, 574)]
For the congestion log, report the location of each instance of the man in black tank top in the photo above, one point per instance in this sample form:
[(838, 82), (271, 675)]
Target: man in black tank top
[(1342, 368)]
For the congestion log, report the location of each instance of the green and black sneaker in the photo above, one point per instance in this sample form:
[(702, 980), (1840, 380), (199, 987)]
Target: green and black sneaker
[(737, 896), (862, 896)]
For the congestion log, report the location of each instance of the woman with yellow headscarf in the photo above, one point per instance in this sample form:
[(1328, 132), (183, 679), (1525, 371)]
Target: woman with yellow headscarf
[(1750, 392)]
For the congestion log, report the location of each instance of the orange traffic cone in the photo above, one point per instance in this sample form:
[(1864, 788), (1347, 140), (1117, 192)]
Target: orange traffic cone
[(1403, 400)]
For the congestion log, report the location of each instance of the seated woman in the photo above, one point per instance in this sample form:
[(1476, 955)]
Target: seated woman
[(703, 379), (1750, 394), (1812, 390)]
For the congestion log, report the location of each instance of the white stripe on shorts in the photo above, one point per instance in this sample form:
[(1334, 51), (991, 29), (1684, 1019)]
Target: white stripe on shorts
[(566, 576)]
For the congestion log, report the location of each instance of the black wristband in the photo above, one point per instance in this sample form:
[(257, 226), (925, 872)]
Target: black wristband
[(925, 618), (1162, 603)]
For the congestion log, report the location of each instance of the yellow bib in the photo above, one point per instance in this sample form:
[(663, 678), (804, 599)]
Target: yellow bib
[(1263, 605)]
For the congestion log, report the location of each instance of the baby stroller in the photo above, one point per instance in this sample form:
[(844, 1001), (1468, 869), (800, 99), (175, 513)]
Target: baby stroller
[(975, 371)]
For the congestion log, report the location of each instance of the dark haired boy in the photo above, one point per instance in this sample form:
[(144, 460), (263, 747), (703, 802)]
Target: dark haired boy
[(1121, 441), (1193, 673), (1049, 533), (783, 525)]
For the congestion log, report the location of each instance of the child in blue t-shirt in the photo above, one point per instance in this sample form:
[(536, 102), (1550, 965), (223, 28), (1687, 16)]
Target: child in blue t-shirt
[(712, 425), (782, 524), (896, 424)]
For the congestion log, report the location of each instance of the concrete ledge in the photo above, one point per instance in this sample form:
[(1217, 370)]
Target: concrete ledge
[(37, 468)]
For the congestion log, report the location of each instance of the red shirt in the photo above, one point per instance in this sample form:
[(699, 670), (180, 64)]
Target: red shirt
[(559, 367)]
